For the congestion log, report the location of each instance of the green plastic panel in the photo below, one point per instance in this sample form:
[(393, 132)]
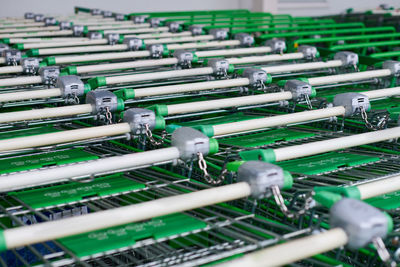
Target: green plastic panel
[(46, 159), (392, 105), (128, 234), (325, 162), (76, 191), (265, 138), (388, 201), (28, 132)]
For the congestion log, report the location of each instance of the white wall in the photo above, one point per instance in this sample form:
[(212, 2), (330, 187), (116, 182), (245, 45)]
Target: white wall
[(12, 8), (337, 6), (313, 7)]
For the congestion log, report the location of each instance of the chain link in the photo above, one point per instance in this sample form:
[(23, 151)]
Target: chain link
[(76, 99), (307, 98), (261, 86), (72, 99), (381, 124), (383, 252), (185, 65), (222, 73), (30, 70), (203, 166), (153, 141), (282, 206), (108, 115)]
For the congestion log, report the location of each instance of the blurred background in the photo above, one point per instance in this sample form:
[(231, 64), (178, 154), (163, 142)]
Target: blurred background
[(292, 7)]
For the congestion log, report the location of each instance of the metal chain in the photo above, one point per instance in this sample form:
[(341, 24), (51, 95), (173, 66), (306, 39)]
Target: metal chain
[(223, 73), (52, 81), (307, 98), (108, 115), (76, 99), (261, 86), (153, 141), (72, 99), (282, 206), (381, 124), (185, 64), (383, 252), (33, 71), (203, 166)]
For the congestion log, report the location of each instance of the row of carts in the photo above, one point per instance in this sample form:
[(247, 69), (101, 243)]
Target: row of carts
[(199, 138)]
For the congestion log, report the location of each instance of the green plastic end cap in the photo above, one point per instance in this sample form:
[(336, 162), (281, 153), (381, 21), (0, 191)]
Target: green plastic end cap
[(317, 54), (172, 127), (120, 104), (282, 83), (389, 222), (87, 88), (287, 180), (125, 93), (97, 82), (205, 62), (269, 79), (5, 40), (50, 61), (121, 39), (313, 92), (63, 73), (266, 155), (85, 30), (33, 52), (231, 68), (19, 46), (349, 192), (234, 165), (165, 51), (214, 146), (195, 58), (160, 123), (326, 198), (208, 130), (3, 245), (160, 109), (71, 70), (303, 79), (42, 64)]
